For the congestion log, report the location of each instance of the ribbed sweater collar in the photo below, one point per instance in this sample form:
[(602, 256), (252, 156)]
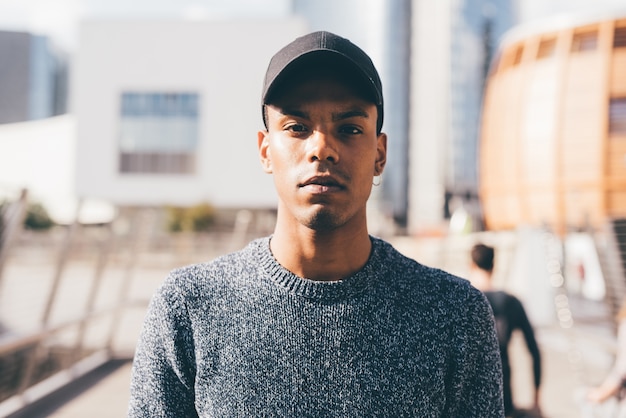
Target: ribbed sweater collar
[(348, 287)]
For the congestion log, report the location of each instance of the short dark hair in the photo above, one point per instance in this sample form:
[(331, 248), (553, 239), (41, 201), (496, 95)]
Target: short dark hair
[(482, 256)]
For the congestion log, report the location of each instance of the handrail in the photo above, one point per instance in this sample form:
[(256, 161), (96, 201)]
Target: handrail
[(12, 228), (33, 350), (12, 344), (55, 346)]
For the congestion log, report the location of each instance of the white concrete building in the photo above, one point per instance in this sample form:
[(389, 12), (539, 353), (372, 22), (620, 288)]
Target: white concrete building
[(167, 112), (39, 156)]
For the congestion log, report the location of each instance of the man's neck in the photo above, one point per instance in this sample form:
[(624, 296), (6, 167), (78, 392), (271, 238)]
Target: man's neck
[(321, 256), (481, 279)]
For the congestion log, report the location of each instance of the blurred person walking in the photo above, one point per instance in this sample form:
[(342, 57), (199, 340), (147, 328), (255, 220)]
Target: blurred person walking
[(510, 315)]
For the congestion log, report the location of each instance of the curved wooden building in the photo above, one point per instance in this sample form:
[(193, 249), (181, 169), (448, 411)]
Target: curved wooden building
[(553, 135)]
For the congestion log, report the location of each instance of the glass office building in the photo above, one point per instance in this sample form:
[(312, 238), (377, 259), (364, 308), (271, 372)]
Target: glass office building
[(33, 78), (477, 26)]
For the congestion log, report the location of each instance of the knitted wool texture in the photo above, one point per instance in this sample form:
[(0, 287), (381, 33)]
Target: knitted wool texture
[(241, 336)]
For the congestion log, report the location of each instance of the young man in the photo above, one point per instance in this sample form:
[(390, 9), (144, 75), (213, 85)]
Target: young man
[(319, 319), (510, 316)]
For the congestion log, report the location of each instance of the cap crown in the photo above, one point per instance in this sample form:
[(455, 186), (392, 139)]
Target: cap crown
[(327, 44)]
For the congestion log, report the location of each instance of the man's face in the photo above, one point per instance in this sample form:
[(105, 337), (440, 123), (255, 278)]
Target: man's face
[(322, 148)]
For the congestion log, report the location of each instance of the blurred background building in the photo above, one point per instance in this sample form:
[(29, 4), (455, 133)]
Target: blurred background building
[(432, 60), (452, 45), (554, 125), (33, 77), (167, 112)]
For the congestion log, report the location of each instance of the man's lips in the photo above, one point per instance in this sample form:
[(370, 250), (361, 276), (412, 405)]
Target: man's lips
[(322, 184)]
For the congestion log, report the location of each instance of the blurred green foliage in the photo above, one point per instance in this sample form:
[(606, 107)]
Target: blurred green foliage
[(195, 218), (36, 217)]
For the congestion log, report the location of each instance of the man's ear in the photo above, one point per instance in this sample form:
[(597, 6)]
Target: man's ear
[(381, 154), (264, 151)]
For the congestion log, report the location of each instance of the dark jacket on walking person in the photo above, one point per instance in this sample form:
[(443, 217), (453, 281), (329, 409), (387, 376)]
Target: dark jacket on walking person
[(510, 316)]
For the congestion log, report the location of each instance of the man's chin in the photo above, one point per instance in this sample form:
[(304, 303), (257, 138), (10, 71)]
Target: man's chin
[(323, 221)]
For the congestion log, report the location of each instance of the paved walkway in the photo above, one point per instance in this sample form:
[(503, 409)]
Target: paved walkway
[(571, 361), (101, 393), (108, 398)]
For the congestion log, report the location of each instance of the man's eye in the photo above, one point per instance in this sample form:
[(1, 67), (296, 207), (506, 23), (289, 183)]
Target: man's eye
[(296, 127), (350, 130)]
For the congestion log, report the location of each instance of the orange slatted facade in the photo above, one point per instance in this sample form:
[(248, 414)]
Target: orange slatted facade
[(553, 135)]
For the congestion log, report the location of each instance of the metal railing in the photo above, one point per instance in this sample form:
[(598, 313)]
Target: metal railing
[(28, 359), (86, 304), (11, 221)]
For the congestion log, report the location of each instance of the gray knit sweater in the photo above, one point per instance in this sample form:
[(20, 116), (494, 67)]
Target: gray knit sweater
[(241, 336)]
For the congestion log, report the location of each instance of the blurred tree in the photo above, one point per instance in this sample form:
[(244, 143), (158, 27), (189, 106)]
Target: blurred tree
[(37, 217), (200, 217), (197, 218)]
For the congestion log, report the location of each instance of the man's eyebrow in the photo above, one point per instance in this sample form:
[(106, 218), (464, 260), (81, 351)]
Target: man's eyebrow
[(294, 112), (350, 114)]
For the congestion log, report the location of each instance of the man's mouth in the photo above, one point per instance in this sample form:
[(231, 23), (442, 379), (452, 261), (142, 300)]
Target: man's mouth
[(322, 184)]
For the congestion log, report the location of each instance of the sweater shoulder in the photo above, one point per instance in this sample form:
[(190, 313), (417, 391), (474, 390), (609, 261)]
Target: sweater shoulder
[(213, 276), (411, 270), (445, 301)]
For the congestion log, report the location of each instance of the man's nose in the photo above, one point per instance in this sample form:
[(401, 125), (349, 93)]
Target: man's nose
[(322, 147)]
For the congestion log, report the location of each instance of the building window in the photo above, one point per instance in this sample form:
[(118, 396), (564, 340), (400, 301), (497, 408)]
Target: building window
[(619, 37), (617, 116), (158, 133), (547, 48), (585, 41), (519, 52), (512, 57)]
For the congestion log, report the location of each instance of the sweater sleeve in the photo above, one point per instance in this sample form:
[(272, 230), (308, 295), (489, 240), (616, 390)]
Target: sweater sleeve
[(481, 394), (163, 373)]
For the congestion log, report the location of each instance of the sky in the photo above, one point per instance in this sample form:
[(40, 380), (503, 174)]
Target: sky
[(59, 18)]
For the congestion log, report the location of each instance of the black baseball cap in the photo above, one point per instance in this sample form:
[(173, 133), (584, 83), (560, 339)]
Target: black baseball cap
[(332, 50)]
